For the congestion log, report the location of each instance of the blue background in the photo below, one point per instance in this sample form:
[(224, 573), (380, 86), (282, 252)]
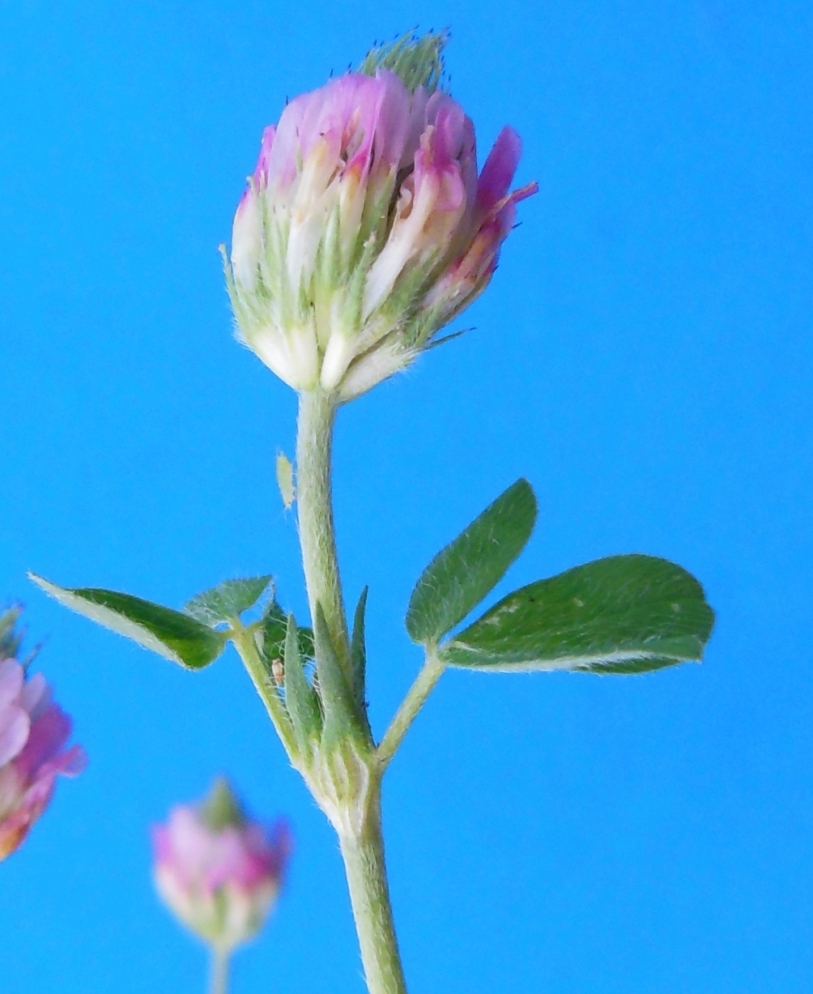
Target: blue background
[(643, 357)]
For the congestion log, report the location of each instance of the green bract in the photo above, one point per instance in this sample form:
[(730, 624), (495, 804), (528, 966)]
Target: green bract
[(358, 652), (300, 697), (343, 714)]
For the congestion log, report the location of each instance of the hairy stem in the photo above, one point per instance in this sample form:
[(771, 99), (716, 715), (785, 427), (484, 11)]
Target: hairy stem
[(219, 976), (316, 532), (416, 697), (360, 838), (363, 854)]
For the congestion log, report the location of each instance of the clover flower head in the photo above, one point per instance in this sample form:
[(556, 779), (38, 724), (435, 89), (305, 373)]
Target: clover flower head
[(217, 870), (34, 732), (365, 227)]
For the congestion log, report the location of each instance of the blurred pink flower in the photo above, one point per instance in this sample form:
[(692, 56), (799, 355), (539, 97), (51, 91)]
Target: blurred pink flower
[(364, 229), (217, 871), (33, 734)]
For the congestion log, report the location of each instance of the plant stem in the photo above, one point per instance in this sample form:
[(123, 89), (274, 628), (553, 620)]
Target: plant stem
[(416, 697), (316, 533), (219, 977), (246, 647), (363, 854), (360, 840)]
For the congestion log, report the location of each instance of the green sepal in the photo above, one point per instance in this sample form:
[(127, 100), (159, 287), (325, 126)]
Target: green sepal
[(172, 634), (300, 697), (227, 600), (467, 569), (417, 61), (221, 809), (342, 717), (622, 614), (10, 638)]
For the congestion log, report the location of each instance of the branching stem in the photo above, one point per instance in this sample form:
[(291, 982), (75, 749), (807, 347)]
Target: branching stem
[(410, 706), (244, 642), (360, 837)]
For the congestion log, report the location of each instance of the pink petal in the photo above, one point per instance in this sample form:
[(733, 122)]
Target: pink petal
[(14, 729), (191, 842), (35, 695), (284, 153), (499, 169), (69, 764), (48, 734), (261, 169), (37, 796), (395, 123), (11, 680), (354, 114), (161, 843)]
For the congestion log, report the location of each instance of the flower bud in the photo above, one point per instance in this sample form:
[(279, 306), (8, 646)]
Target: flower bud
[(33, 733), (219, 872), (365, 227)]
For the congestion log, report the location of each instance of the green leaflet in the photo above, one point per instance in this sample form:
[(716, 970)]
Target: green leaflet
[(172, 634), (623, 614), (463, 573), (227, 600)]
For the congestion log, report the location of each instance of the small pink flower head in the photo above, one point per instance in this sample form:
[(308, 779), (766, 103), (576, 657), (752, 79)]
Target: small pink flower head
[(219, 872), (365, 227), (33, 735)]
